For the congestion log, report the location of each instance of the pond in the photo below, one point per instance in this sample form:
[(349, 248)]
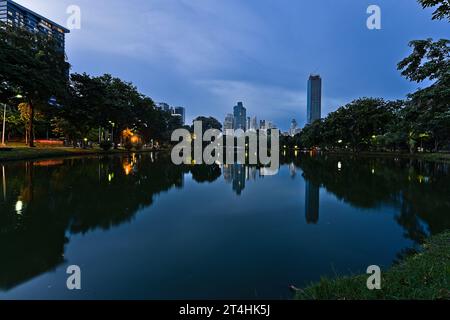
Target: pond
[(140, 227)]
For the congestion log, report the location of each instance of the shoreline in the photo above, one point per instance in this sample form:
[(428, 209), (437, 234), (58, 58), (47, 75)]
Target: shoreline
[(422, 276), (39, 153), (21, 153)]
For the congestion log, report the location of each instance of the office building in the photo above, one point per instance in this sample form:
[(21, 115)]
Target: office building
[(228, 124), (254, 124), (182, 113), (294, 128), (13, 14), (165, 107), (240, 117), (314, 107), (262, 124)]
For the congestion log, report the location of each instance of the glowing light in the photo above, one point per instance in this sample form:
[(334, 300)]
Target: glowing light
[(339, 141), (127, 169), (373, 171), (339, 165), (110, 177), (19, 207)]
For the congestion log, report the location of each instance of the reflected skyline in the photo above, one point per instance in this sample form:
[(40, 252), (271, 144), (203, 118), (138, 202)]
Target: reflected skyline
[(46, 204), (312, 200)]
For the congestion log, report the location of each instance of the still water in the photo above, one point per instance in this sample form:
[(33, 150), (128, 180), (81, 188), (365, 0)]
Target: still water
[(142, 228)]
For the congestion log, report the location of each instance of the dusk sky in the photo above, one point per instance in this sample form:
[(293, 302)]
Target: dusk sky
[(206, 55)]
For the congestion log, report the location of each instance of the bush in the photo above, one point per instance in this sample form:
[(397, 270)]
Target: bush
[(138, 146), (106, 145), (128, 145)]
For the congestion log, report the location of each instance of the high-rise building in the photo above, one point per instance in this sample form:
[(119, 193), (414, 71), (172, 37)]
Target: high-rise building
[(164, 107), (16, 15), (247, 125), (314, 108), (240, 117), (182, 113), (254, 124), (293, 129), (262, 124), (228, 124)]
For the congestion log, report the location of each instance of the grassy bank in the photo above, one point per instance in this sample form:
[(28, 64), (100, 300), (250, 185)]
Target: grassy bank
[(425, 275), (45, 152)]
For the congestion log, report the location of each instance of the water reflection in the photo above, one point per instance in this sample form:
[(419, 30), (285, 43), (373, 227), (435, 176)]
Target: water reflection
[(46, 202), (312, 199)]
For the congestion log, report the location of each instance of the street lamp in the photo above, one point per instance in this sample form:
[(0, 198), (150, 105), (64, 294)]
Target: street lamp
[(112, 131), (4, 118)]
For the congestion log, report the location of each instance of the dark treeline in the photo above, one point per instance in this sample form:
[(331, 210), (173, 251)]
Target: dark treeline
[(34, 76)]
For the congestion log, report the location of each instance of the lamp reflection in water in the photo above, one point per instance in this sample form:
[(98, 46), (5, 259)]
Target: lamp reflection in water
[(19, 207), (4, 182), (128, 164)]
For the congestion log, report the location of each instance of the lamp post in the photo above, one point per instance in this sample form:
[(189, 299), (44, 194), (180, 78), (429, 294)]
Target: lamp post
[(112, 131), (4, 118)]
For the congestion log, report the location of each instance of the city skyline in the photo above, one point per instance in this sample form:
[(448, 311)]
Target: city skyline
[(259, 64)]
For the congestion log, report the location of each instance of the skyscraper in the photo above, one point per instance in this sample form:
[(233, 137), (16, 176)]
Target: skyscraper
[(262, 124), (164, 107), (247, 125), (240, 117), (254, 124), (16, 15), (293, 130), (314, 108), (228, 124), (182, 112)]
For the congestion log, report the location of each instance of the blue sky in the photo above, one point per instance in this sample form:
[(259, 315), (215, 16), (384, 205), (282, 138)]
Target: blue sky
[(208, 54)]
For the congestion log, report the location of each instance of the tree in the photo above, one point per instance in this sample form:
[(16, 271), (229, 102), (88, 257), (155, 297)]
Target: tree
[(209, 123), (429, 60), (33, 65), (442, 11)]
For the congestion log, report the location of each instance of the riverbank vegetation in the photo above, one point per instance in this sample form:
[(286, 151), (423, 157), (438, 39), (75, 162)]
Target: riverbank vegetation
[(45, 101), (425, 275), (421, 122)]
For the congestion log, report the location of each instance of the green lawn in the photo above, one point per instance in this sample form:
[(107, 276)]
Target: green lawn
[(425, 275)]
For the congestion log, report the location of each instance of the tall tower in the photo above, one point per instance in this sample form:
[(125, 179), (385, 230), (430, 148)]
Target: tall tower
[(182, 112), (314, 109), (240, 117)]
